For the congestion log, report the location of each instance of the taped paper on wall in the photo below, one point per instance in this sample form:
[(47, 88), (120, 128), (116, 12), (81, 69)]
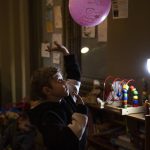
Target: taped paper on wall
[(49, 26), (102, 31), (56, 58), (56, 37), (57, 17), (88, 32), (45, 53), (120, 9), (49, 3)]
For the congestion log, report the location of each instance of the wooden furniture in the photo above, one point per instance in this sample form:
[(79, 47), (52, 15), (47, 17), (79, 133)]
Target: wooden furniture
[(137, 125), (147, 133)]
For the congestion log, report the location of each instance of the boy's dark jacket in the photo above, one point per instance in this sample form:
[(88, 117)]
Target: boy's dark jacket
[(52, 118)]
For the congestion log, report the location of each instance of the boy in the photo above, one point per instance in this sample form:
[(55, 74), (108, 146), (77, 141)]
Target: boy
[(60, 114)]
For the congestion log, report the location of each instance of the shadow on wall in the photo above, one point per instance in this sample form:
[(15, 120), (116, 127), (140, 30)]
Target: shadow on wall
[(94, 64)]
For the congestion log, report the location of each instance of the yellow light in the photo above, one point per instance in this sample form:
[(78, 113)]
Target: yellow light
[(148, 65), (84, 50)]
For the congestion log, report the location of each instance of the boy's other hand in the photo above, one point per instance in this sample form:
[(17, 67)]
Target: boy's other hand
[(79, 99)]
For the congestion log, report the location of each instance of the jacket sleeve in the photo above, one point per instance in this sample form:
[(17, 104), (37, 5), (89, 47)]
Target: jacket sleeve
[(72, 68), (73, 74), (83, 109), (57, 135)]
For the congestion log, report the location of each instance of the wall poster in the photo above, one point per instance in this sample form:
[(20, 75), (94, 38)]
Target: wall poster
[(120, 9), (102, 31), (88, 32)]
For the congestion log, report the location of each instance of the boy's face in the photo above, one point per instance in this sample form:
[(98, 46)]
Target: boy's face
[(58, 86)]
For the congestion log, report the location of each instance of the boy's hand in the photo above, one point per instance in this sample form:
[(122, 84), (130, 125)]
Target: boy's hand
[(79, 99), (59, 48), (78, 124)]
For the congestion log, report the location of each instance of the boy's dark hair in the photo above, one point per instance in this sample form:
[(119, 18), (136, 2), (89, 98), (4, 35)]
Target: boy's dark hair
[(40, 78)]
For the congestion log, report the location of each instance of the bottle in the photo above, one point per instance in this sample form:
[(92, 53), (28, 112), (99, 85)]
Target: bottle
[(146, 106)]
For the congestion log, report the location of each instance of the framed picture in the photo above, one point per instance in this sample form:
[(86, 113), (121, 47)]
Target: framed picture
[(88, 32)]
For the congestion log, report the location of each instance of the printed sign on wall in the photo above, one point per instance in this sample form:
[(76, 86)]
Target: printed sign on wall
[(120, 9)]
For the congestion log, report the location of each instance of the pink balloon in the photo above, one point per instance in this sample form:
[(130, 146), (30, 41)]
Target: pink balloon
[(89, 12)]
